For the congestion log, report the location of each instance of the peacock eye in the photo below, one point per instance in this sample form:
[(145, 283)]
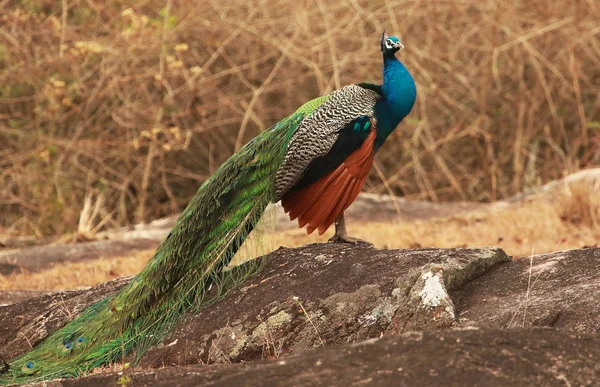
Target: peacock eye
[(27, 367)]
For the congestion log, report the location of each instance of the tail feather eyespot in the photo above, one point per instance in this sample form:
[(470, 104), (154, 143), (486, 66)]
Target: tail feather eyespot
[(28, 367)]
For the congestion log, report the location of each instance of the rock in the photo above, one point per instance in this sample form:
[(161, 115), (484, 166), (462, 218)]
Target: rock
[(38, 258), (26, 324), (564, 292), (337, 294), (8, 297), (321, 294), (302, 298), (524, 357)]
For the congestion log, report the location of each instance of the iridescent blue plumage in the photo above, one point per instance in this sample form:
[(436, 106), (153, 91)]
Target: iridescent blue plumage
[(399, 91)]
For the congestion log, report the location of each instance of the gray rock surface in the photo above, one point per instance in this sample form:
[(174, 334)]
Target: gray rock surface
[(337, 295), (564, 292), (27, 323), (492, 357), (39, 258), (320, 293)]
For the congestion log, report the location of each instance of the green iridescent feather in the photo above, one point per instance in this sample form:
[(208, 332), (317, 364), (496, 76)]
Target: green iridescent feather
[(205, 238)]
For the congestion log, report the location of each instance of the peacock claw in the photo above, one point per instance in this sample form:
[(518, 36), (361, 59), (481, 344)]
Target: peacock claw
[(341, 236), (347, 239)]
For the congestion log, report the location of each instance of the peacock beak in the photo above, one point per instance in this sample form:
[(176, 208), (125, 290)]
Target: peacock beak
[(399, 46)]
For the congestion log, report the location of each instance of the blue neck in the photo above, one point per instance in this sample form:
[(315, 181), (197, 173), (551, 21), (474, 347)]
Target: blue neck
[(400, 93)]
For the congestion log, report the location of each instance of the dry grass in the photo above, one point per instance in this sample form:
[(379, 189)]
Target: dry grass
[(580, 204), (517, 230), (75, 275), (110, 115), (566, 221)]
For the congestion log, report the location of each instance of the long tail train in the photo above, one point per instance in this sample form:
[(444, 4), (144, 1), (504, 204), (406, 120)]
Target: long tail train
[(191, 258)]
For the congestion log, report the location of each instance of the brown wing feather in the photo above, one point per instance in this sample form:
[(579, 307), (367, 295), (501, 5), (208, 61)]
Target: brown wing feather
[(339, 207), (310, 200), (328, 199), (318, 205)]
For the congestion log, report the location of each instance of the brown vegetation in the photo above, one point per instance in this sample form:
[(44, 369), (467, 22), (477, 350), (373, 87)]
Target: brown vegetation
[(120, 114)]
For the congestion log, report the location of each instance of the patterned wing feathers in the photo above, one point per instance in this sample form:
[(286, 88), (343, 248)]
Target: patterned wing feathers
[(318, 205), (318, 132)]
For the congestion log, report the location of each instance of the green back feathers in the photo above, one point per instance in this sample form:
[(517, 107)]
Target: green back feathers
[(311, 105), (205, 238)]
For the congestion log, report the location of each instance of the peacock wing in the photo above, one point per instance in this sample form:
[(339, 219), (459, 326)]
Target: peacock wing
[(325, 137), (336, 158)]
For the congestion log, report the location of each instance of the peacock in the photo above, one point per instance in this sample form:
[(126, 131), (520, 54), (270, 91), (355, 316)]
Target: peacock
[(314, 161)]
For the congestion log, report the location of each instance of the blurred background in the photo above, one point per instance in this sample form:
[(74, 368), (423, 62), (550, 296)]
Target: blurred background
[(112, 113)]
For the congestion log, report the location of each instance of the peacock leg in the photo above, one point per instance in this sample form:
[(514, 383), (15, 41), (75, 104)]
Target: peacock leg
[(341, 235)]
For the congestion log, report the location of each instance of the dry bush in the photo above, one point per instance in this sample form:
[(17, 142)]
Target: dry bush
[(137, 106), (579, 204)]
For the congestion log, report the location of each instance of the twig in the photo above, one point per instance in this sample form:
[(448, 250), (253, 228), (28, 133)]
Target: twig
[(63, 28), (528, 285), (26, 339), (309, 320)]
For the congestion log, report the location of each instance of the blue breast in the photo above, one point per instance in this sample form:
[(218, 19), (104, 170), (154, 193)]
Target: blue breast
[(400, 93)]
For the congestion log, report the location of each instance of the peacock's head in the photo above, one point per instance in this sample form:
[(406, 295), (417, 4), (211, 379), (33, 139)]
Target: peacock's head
[(390, 44)]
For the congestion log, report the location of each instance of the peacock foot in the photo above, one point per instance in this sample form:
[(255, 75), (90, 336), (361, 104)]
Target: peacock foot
[(343, 238)]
